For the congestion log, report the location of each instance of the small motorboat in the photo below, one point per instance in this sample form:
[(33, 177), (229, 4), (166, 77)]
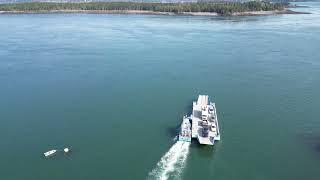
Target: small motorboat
[(50, 153), (185, 130)]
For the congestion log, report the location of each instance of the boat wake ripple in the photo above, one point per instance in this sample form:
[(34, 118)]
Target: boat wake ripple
[(172, 163)]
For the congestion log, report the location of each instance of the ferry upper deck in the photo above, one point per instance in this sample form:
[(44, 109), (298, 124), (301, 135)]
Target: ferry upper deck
[(204, 121)]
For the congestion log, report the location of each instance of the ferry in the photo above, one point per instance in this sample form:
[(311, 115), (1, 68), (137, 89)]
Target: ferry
[(204, 122)]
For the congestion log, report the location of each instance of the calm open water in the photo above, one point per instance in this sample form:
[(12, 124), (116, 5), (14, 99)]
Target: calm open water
[(114, 89)]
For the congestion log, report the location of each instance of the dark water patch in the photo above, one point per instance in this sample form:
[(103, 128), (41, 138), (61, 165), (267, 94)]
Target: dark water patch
[(236, 19), (173, 131), (188, 108), (315, 143), (312, 141), (195, 144), (204, 151), (317, 147)]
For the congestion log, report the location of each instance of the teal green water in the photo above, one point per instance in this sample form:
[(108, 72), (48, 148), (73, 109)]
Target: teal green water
[(114, 89)]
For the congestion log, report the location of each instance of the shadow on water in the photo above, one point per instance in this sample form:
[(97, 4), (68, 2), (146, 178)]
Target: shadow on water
[(188, 109), (173, 131), (204, 151), (239, 19), (317, 147), (313, 141)]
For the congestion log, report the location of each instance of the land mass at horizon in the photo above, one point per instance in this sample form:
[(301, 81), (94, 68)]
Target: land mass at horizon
[(195, 8)]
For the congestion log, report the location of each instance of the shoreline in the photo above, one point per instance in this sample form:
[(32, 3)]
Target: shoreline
[(248, 13)]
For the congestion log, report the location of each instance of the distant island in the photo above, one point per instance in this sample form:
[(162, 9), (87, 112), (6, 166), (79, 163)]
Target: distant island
[(190, 8)]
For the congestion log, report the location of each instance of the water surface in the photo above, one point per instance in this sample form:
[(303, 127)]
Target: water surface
[(114, 89)]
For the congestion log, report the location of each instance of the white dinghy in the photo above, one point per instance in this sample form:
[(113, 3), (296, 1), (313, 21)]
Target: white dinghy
[(49, 153)]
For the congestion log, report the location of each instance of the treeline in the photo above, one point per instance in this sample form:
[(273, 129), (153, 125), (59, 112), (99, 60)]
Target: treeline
[(223, 8)]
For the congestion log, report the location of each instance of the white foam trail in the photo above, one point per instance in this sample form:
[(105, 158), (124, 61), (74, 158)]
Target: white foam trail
[(172, 163), (182, 160)]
